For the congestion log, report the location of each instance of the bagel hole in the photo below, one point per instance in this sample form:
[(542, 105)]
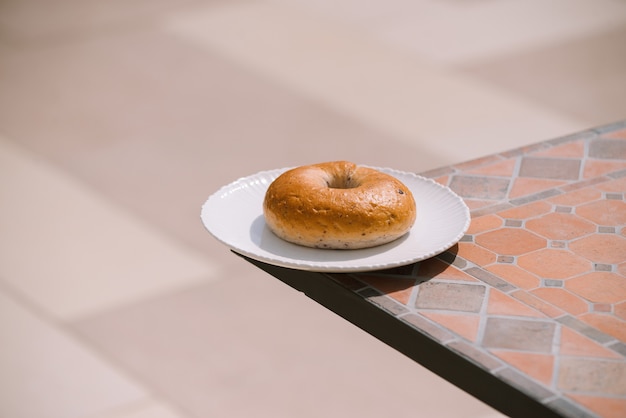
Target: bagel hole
[(342, 182)]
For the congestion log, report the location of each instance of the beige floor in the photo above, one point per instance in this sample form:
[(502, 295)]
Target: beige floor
[(118, 119)]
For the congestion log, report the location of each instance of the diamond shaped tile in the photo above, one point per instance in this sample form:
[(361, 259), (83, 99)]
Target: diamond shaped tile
[(539, 366), (519, 334), (574, 344), (607, 149), (464, 325), (450, 296), (480, 187), (550, 168), (584, 375)]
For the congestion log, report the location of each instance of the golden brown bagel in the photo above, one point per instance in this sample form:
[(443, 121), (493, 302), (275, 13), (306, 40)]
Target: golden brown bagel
[(338, 205)]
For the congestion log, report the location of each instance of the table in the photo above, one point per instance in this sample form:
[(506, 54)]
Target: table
[(528, 311)]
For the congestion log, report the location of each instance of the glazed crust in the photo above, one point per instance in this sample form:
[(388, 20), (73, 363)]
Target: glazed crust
[(338, 205)]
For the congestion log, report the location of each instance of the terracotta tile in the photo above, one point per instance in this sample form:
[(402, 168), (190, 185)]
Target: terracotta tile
[(484, 223), (597, 168), (620, 310), (438, 174), (398, 289), (515, 275), (562, 299), (609, 324), (585, 329), (475, 353), (577, 185), (608, 149), (550, 168), (618, 134), (519, 334), (528, 186), (506, 259), (478, 255), (510, 241), (477, 162), (602, 307), (560, 226), (491, 279), (599, 287), (478, 187), (384, 302), (450, 296), (537, 366), (563, 209), (526, 150), (528, 385), (574, 344), (513, 223), (566, 407), (574, 149), (464, 325), (451, 257), (434, 267), (429, 327), (502, 168), (576, 197), (603, 406), (442, 180), (617, 185), (592, 376), (600, 248), (604, 212), (474, 204), (546, 194), (529, 210), (554, 264), (502, 304), (491, 207)]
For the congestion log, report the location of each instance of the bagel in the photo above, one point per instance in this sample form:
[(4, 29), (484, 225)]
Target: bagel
[(338, 205)]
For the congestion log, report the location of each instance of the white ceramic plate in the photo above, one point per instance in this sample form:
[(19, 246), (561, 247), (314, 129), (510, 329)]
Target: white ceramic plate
[(234, 216)]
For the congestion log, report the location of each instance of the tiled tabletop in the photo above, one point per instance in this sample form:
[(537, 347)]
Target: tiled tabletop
[(528, 311)]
